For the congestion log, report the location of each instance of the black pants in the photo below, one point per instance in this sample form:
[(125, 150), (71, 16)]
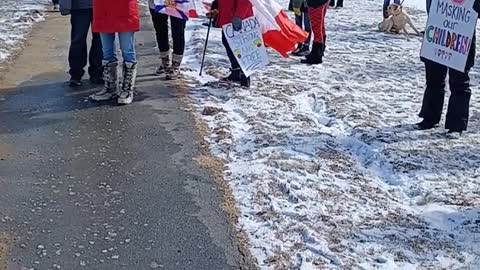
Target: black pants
[(55, 2), (160, 23), (233, 60), (339, 3), (433, 100), (81, 19)]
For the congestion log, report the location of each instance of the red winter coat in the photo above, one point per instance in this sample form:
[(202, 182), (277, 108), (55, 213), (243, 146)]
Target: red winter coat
[(227, 9), (115, 16)]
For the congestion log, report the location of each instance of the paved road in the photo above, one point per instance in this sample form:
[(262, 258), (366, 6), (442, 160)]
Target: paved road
[(97, 186)]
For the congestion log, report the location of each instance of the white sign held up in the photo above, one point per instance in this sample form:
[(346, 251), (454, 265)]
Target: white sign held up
[(449, 32), (247, 45)]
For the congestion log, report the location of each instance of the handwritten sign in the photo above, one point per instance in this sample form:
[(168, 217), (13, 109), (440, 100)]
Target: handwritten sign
[(449, 32), (247, 45)]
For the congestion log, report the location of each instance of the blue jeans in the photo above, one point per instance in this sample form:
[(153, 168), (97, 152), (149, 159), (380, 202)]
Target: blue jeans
[(302, 20), (127, 46)]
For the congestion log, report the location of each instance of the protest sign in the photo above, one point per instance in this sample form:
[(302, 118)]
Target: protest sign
[(449, 32), (175, 8), (247, 45)]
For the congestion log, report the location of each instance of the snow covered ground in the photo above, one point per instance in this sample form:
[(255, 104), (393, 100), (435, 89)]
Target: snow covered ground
[(16, 19), (326, 168)]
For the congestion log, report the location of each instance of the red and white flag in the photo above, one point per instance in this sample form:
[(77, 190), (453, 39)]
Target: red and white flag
[(279, 33)]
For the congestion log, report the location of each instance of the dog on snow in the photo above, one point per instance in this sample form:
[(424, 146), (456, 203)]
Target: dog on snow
[(396, 21)]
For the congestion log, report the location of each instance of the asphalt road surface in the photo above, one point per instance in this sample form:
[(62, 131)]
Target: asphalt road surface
[(88, 185)]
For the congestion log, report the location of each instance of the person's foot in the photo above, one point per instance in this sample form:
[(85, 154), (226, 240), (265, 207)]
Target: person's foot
[(245, 81), (424, 125), (173, 73), (125, 98), (312, 61), (74, 83), (97, 80), (303, 51), (234, 76), (454, 133), (104, 94)]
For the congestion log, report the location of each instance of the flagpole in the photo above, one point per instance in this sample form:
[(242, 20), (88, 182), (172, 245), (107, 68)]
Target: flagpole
[(206, 42)]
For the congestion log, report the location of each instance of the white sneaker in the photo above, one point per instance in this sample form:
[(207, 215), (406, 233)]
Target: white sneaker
[(103, 95), (125, 98)]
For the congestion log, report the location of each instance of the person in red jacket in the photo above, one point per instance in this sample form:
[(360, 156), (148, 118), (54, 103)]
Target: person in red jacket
[(226, 12), (109, 18)]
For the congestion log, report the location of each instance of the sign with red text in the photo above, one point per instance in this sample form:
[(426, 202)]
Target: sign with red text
[(449, 32)]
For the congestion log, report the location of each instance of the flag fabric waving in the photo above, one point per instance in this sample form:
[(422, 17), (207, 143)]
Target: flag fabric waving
[(175, 8), (279, 33)]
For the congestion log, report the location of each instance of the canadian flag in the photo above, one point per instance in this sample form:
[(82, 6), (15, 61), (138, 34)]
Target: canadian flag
[(279, 33)]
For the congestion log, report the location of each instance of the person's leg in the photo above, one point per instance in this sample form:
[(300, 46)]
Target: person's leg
[(233, 60), (55, 2), (459, 102), (317, 19), (339, 3), (178, 36), (299, 23), (434, 95), (110, 73), (127, 45), (160, 23), (332, 3), (77, 55), (95, 69), (308, 28)]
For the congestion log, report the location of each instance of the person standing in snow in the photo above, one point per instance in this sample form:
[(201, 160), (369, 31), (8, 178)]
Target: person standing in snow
[(317, 9), (299, 7), (459, 102), (230, 11), (112, 17), (169, 63), (81, 16)]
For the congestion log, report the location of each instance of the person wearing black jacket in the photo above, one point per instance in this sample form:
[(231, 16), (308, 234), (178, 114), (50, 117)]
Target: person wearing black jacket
[(459, 102), (317, 9)]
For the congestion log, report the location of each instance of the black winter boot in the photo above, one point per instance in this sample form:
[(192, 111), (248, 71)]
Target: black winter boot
[(235, 75), (315, 56), (245, 81)]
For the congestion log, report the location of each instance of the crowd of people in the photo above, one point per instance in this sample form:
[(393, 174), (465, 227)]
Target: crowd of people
[(112, 18)]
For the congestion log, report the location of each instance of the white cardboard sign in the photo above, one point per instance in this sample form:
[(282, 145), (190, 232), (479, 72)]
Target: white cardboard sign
[(449, 32), (247, 45)]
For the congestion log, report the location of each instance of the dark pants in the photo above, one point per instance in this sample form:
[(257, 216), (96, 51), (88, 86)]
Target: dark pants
[(458, 105), (303, 21), (160, 23), (233, 60), (55, 2), (339, 3), (81, 19)]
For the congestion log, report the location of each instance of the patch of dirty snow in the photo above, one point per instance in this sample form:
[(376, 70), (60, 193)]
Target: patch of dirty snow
[(16, 20), (325, 166)]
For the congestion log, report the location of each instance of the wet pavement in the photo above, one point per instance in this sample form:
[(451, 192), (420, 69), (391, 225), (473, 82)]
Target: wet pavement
[(97, 186)]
